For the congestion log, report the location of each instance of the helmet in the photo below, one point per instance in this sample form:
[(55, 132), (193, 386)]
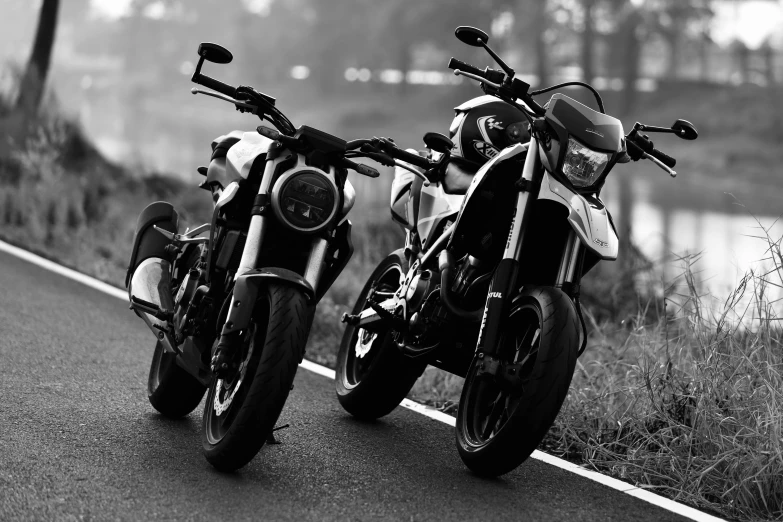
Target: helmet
[(484, 126)]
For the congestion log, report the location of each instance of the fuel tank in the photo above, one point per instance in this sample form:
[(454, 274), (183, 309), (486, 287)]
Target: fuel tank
[(421, 208)]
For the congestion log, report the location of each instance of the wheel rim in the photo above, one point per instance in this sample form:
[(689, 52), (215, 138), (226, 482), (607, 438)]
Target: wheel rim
[(488, 406), (365, 346), (225, 399)]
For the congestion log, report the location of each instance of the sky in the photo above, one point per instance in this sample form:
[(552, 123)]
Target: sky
[(751, 21)]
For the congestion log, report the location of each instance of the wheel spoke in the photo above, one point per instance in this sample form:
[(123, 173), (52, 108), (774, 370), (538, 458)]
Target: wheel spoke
[(494, 416)]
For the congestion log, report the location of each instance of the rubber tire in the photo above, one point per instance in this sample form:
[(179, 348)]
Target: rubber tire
[(390, 375), (170, 389), (273, 369), (543, 395)]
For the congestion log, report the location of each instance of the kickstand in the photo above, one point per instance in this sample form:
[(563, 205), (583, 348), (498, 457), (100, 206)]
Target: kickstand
[(270, 439)]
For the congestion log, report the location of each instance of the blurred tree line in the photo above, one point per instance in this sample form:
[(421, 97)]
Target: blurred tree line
[(157, 38)]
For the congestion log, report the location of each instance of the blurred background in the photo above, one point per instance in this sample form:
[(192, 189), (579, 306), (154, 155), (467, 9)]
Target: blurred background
[(115, 126)]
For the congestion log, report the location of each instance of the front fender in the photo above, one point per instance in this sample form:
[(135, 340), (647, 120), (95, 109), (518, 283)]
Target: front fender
[(591, 222), (246, 292)]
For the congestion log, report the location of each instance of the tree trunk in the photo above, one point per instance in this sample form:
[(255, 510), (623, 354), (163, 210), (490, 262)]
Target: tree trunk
[(632, 56), (673, 43), (31, 88), (588, 42), (542, 56)]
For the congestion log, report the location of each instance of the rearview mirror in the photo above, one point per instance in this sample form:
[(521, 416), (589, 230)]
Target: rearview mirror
[(471, 36), (685, 130), (214, 53), (438, 142)]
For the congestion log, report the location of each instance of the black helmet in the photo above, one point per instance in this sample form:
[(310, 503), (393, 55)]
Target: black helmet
[(484, 126)]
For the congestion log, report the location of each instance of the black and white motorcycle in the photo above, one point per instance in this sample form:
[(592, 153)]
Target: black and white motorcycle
[(487, 284), (231, 302)]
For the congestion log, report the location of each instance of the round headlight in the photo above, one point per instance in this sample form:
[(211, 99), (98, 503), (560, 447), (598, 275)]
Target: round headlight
[(305, 199)]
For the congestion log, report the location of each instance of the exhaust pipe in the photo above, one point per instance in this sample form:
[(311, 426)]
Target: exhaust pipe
[(149, 272)]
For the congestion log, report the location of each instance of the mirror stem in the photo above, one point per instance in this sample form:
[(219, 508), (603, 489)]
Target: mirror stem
[(197, 72), (508, 70)]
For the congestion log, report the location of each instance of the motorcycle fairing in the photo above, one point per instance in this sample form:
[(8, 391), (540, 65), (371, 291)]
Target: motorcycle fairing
[(433, 203), (592, 223), (506, 154), (241, 155)]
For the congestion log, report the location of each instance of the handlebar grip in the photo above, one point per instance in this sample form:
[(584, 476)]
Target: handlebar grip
[(366, 170), (217, 85), (466, 67), (407, 157), (663, 158)]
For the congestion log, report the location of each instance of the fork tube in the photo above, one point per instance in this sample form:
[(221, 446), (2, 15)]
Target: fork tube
[(255, 233), (315, 262), (567, 260), (504, 282)]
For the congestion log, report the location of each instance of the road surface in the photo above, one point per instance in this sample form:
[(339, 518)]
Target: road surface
[(79, 441)]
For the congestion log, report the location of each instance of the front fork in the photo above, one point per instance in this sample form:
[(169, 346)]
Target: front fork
[(249, 277), (504, 281)]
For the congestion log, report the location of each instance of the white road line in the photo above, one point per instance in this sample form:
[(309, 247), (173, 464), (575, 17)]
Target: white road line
[(624, 487)]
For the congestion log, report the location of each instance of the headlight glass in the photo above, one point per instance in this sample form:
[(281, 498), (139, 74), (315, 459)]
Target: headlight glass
[(582, 165), (305, 200)]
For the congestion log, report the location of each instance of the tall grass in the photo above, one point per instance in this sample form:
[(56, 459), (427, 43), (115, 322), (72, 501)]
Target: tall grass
[(689, 406)]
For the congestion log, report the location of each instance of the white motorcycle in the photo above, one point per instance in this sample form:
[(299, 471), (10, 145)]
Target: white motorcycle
[(487, 284)]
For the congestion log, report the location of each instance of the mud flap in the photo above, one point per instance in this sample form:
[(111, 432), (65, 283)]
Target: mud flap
[(148, 242)]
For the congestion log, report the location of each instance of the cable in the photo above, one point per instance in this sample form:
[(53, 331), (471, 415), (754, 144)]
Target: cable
[(580, 84)]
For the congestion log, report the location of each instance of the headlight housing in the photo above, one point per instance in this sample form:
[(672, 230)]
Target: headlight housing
[(582, 165), (305, 199)]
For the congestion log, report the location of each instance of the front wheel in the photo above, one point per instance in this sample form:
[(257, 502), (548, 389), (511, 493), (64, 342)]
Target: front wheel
[(241, 412), (501, 421)]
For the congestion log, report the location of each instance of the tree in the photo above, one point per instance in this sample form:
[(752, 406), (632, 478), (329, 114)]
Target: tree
[(673, 19), (31, 88), (588, 41)]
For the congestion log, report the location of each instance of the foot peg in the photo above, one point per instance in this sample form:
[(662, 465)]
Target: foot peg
[(150, 308), (351, 320)]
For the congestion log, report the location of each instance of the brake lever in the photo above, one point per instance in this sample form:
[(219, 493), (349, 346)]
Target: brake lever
[(458, 72), (424, 178), (655, 160), (250, 108)]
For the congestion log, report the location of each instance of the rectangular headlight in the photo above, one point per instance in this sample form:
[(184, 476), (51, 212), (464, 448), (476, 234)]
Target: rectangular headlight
[(582, 165)]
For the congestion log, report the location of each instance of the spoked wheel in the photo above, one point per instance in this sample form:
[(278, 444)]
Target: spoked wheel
[(241, 411), (502, 418), (373, 376)]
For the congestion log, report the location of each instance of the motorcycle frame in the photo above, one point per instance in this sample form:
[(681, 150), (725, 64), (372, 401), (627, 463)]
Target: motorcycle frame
[(591, 230)]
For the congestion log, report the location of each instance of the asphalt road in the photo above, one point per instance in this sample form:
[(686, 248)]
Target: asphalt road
[(79, 441)]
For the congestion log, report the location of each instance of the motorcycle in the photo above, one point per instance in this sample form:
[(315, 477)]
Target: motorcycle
[(487, 284), (231, 302)]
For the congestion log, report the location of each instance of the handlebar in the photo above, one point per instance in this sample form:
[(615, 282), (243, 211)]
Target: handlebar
[(462, 66), (509, 89), (216, 85), (645, 145)]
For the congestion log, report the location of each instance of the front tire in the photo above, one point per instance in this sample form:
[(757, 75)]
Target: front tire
[(239, 415), (372, 375), (498, 427)]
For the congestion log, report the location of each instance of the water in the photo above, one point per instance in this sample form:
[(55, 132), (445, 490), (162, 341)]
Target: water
[(681, 218)]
